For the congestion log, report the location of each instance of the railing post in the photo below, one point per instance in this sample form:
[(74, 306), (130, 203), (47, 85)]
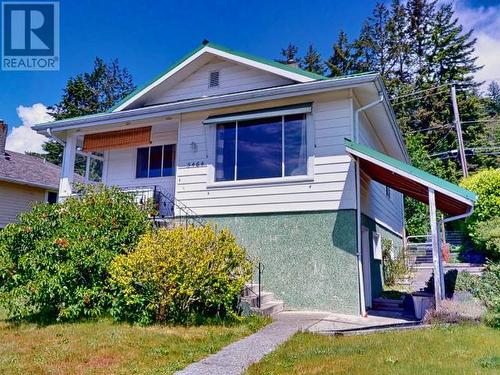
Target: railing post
[(260, 271)]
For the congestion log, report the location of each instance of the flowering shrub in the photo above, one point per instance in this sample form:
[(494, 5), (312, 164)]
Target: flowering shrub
[(54, 262), (179, 275)]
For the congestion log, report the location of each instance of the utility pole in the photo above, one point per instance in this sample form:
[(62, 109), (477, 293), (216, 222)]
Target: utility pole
[(458, 128)]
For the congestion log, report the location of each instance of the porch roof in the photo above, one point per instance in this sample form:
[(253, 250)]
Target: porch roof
[(411, 181)]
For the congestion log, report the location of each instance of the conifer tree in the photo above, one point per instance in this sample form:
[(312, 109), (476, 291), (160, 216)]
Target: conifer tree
[(311, 62), (289, 54), (342, 60)]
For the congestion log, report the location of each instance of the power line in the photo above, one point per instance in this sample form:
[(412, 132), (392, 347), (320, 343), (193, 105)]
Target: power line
[(419, 97), (418, 92), (441, 140), (436, 127)]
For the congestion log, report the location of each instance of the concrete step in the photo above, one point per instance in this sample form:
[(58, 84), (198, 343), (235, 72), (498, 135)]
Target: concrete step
[(265, 297), (387, 308), (269, 308)]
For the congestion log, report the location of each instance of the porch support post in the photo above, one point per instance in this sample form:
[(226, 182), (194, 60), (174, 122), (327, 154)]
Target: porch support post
[(362, 297), (438, 292), (68, 167)]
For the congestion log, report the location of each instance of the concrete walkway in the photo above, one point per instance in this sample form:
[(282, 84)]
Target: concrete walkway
[(237, 357), (337, 323)]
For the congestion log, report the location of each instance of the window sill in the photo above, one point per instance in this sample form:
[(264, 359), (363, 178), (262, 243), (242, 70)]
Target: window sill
[(261, 181)]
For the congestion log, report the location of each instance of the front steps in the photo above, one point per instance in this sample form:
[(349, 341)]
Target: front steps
[(385, 304), (269, 304)]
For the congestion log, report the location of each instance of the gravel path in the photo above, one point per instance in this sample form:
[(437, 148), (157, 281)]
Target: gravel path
[(238, 356)]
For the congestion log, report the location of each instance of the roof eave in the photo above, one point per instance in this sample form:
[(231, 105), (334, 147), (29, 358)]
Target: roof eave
[(379, 82), (220, 101), (29, 183)]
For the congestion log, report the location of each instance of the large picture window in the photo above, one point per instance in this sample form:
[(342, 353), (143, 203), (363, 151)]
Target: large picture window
[(261, 148), (155, 161)]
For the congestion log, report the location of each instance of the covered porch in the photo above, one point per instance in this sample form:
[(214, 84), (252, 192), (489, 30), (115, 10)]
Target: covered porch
[(452, 200), (139, 157)]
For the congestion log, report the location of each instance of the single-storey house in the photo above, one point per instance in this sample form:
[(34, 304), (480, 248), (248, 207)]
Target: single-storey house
[(24, 179), (307, 171)]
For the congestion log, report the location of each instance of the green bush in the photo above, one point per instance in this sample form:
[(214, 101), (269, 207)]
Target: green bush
[(394, 269), (486, 288), (54, 262), (486, 184), (488, 237), (180, 275)]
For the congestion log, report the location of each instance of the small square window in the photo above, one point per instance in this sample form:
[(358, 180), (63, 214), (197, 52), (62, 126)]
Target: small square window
[(388, 192)]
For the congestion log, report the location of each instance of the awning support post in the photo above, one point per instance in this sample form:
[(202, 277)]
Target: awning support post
[(68, 167), (438, 291)]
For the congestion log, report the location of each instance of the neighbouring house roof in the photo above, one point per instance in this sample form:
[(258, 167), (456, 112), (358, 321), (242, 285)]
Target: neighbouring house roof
[(28, 170), (411, 181)]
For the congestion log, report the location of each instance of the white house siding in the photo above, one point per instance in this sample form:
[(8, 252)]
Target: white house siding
[(332, 186), (15, 199), (233, 77), (374, 201), (120, 164)]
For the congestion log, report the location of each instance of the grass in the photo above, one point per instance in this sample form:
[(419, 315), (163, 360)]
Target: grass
[(465, 349), (103, 347)]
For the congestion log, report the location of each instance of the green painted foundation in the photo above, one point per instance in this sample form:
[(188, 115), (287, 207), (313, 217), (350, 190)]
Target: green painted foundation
[(309, 258), (376, 269)]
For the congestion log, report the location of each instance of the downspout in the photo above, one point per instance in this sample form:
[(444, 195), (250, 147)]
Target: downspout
[(357, 112), (441, 222), (52, 136), (362, 297)]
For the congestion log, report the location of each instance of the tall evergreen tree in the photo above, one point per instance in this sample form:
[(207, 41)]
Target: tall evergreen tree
[(311, 62), (342, 60), (451, 53), (86, 94), (493, 98)]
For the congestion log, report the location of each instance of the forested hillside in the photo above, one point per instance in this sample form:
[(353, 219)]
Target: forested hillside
[(422, 51)]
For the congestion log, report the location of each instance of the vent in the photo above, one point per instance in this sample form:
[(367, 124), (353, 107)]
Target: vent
[(213, 80)]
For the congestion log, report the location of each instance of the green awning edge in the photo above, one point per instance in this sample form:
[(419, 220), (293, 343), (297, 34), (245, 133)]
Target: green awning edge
[(414, 171), (306, 107)]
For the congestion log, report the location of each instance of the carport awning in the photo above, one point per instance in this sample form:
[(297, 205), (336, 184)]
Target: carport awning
[(411, 181)]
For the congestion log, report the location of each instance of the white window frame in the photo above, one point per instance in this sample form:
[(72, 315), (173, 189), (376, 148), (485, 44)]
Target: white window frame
[(377, 246), (308, 177), (149, 160)]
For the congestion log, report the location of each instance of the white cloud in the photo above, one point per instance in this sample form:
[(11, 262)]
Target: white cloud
[(485, 21), (23, 138)]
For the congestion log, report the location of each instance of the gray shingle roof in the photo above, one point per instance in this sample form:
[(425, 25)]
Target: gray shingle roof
[(28, 170)]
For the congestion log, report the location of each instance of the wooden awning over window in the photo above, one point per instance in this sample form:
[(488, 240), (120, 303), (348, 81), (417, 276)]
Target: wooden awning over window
[(117, 139)]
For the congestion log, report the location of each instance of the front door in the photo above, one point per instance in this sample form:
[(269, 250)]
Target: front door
[(365, 249)]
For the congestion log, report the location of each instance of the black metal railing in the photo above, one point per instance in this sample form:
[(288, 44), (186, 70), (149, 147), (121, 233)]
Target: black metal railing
[(166, 210), (249, 288)]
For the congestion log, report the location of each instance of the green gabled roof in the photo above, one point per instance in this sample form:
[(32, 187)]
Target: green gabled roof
[(272, 63), (245, 55), (409, 169)]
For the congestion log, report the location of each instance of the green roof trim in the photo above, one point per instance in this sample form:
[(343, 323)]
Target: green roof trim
[(142, 87), (272, 63), (419, 173)]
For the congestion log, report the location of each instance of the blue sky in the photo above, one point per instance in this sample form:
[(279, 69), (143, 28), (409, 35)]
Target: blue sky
[(147, 36)]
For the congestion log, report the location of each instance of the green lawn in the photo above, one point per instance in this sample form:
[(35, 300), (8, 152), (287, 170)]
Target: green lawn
[(104, 347), (452, 350)]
